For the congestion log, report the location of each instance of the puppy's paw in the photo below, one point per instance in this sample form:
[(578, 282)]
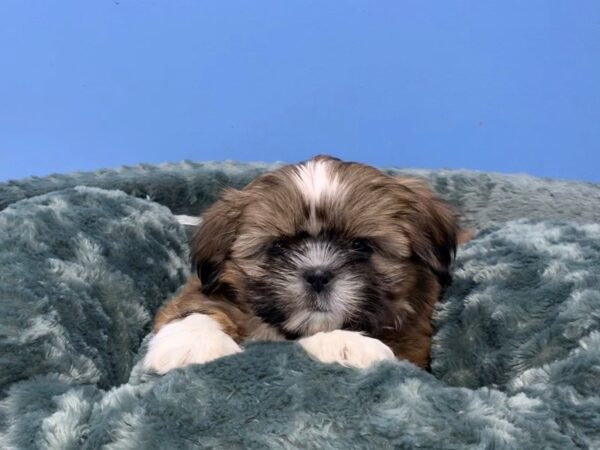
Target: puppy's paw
[(348, 348), (196, 339)]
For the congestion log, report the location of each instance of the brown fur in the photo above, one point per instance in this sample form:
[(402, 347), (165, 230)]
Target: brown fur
[(414, 236)]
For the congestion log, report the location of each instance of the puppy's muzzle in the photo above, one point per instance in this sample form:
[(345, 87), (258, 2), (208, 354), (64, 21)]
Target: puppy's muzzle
[(318, 278)]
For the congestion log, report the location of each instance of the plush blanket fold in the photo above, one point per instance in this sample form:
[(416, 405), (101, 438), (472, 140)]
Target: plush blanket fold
[(516, 359)]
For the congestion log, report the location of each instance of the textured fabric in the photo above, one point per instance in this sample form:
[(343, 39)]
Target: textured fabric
[(188, 188), (516, 359)]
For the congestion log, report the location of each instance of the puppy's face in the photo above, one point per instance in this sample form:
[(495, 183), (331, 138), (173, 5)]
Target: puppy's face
[(326, 245)]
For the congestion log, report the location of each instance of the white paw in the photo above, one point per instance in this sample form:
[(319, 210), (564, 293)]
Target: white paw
[(196, 339), (348, 348)]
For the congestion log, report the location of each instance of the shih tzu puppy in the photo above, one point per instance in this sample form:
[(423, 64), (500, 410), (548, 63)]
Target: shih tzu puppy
[(343, 258)]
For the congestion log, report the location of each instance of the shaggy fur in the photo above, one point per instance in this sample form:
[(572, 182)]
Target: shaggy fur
[(387, 243), (515, 363)]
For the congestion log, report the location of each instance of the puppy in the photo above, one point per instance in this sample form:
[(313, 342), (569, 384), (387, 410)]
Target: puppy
[(338, 255)]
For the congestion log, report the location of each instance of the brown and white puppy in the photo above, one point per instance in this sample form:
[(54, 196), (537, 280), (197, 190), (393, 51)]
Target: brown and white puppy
[(338, 255)]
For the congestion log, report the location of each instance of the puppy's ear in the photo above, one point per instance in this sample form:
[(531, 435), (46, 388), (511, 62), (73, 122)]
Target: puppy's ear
[(214, 238), (433, 227)]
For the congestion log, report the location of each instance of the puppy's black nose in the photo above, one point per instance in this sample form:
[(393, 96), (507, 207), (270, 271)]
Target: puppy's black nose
[(318, 278)]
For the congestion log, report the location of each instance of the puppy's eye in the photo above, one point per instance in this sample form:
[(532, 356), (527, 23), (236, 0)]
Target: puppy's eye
[(277, 247), (362, 246)]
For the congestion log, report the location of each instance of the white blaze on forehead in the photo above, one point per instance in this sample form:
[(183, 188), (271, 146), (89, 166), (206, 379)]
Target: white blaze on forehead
[(317, 180)]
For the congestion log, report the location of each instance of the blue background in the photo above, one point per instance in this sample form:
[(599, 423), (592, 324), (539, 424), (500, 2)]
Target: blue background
[(511, 86)]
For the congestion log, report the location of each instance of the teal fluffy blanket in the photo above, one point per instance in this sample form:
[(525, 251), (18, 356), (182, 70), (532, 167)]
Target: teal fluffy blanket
[(86, 260)]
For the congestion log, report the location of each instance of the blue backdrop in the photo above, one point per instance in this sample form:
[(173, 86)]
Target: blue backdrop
[(511, 86)]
